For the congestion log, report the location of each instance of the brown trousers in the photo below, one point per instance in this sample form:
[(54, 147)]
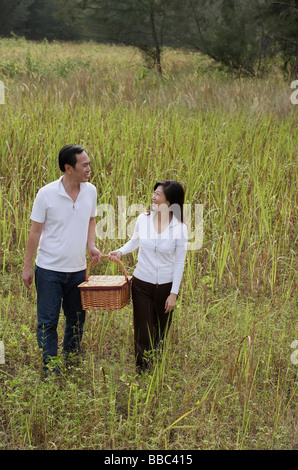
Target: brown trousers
[(151, 323)]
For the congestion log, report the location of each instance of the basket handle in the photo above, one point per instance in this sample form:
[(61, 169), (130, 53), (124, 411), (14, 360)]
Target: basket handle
[(106, 256)]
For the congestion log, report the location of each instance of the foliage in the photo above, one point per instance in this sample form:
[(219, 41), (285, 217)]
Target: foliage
[(242, 35), (133, 22), (46, 21), (225, 380), (14, 15), (282, 21), (239, 34)]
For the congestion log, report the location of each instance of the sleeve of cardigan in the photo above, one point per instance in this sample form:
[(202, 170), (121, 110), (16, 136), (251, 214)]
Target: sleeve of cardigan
[(133, 243), (180, 256)]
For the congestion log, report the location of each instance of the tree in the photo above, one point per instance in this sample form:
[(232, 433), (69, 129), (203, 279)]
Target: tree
[(14, 15), (139, 23), (229, 31), (282, 24), (46, 21), (240, 34)]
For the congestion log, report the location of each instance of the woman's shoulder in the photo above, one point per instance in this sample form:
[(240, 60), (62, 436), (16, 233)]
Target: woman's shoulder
[(178, 223), (144, 215), (180, 226), (142, 218)]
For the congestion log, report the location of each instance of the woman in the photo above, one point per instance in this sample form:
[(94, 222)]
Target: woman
[(161, 237)]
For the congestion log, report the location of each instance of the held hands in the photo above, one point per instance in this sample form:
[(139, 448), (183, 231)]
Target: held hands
[(96, 255)]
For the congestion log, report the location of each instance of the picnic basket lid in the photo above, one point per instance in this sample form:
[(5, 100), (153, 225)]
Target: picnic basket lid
[(105, 282)]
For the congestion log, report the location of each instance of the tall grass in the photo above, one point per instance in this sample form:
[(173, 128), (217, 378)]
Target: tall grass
[(225, 380)]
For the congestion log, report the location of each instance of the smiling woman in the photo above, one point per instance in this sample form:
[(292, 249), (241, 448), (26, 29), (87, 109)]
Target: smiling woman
[(161, 238), (168, 198)]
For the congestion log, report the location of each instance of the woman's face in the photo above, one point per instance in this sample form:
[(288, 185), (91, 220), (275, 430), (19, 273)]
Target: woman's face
[(159, 200)]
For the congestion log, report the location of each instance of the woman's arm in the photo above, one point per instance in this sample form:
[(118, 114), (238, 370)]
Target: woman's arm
[(129, 246), (180, 255)]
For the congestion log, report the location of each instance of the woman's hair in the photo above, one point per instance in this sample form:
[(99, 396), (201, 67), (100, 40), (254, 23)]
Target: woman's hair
[(68, 155), (174, 193)]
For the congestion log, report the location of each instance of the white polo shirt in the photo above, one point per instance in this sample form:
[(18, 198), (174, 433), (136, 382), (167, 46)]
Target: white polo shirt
[(62, 246), (161, 257)]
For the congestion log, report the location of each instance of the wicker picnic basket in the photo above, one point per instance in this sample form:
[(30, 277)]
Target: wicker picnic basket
[(105, 292)]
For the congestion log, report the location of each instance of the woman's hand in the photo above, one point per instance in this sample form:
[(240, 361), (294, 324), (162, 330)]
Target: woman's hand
[(170, 303), (114, 256)]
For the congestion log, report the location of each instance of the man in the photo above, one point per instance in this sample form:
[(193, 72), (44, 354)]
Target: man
[(63, 225)]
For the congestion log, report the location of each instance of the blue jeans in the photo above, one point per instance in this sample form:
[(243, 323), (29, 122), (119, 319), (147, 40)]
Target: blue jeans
[(52, 288)]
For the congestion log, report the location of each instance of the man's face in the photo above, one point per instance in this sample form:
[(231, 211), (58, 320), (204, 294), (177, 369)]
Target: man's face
[(82, 171)]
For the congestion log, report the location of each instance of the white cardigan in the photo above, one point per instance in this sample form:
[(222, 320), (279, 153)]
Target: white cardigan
[(161, 257)]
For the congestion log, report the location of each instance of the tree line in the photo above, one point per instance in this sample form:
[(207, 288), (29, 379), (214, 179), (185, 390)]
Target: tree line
[(243, 35)]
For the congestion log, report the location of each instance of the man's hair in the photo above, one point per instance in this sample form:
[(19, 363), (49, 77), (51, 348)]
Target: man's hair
[(68, 155)]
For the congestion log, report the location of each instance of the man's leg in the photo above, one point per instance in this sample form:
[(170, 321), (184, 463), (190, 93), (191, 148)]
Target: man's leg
[(73, 311), (49, 295)]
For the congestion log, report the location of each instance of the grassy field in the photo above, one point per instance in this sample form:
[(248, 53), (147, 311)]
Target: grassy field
[(227, 379)]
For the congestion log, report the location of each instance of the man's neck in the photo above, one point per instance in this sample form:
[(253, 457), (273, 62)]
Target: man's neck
[(71, 187)]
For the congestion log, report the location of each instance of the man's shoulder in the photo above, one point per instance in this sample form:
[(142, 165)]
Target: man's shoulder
[(90, 187), (49, 187), (53, 187)]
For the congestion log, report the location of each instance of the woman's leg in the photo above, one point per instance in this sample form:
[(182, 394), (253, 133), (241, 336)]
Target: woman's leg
[(150, 320), (163, 320), (143, 319)]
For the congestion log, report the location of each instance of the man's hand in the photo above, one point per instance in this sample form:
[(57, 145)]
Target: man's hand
[(95, 255), (170, 303), (27, 277), (93, 252)]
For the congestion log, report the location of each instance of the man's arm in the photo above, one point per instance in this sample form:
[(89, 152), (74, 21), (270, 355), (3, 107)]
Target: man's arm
[(93, 252), (32, 244)]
